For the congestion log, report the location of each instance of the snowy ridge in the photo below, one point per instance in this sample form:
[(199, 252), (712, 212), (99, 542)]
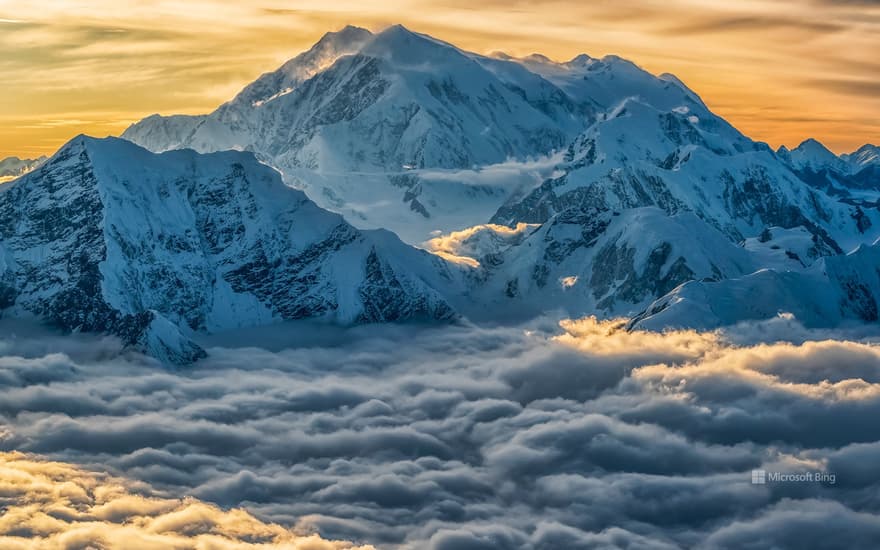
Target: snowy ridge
[(107, 236), (864, 156), (681, 188)]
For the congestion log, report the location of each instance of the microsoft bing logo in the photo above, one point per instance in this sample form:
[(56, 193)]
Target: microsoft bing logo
[(759, 477)]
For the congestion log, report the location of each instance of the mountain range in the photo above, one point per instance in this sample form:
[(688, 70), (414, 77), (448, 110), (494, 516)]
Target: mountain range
[(589, 186)]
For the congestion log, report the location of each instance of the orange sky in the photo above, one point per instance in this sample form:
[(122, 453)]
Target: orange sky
[(780, 70)]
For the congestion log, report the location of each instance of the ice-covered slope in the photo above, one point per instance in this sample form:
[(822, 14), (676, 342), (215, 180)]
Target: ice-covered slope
[(106, 236), (233, 125), (835, 290), (293, 73), (164, 133), (864, 156)]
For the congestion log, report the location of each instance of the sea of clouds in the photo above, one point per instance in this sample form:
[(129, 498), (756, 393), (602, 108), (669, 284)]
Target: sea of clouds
[(570, 435)]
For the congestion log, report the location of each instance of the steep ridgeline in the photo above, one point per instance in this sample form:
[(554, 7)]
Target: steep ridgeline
[(403, 131), (649, 199), (106, 236), (854, 177)]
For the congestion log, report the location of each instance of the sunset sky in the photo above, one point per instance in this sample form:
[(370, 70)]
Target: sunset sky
[(780, 70)]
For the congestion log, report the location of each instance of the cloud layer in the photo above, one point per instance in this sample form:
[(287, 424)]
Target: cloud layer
[(577, 435), (51, 505)]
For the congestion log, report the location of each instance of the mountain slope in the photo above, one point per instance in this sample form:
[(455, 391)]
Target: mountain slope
[(855, 177), (833, 291), (107, 236), (648, 199), (606, 263), (681, 161), (864, 156)]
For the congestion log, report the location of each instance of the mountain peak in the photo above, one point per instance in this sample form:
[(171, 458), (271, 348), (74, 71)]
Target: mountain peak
[(812, 154), (400, 36), (580, 60), (812, 144), (398, 32), (863, 156), (401, 45), (347, 36)]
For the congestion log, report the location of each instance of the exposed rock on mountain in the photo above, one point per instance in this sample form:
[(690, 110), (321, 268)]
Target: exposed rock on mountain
[(106, 236)]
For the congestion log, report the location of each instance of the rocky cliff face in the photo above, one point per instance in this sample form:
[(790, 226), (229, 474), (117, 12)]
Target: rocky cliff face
[(107, 236)]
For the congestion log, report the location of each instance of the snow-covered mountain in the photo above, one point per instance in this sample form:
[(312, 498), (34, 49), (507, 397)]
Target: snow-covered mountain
[(590, 186), (403, 131), (864, 156), (362, 102), (648, 199), (833, 291), (855, 176), (107, 236)]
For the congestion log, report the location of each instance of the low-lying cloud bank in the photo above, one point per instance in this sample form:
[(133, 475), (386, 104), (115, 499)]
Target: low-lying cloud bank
[(578, 435), (56, 505)]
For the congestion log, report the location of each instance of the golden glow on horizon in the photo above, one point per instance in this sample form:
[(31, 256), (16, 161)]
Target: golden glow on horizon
[(780, 70), (54, 505)]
